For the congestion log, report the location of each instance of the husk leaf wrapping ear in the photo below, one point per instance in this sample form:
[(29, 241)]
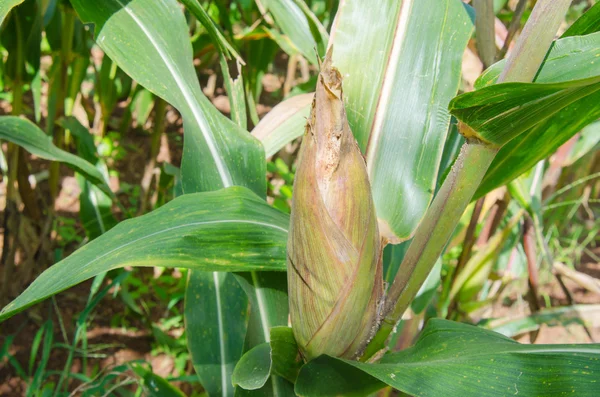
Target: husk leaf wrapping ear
[(334, 248)]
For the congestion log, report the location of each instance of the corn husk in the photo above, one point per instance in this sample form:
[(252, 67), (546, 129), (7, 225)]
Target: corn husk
[(334, 248)]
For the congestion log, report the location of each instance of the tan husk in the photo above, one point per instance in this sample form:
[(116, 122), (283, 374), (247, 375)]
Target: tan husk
[(334, 249)]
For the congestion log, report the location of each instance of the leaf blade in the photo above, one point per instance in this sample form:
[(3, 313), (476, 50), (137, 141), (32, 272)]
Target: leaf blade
[(27, 135), (221, 327), (397, 115), (458, 359), (191, 231), (158, 55)]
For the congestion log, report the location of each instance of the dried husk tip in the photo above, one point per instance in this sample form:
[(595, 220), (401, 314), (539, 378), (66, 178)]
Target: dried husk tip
[(334, 248)]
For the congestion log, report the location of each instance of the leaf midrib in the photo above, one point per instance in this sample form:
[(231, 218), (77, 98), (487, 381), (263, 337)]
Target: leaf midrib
[(184, 226), (189, 99)]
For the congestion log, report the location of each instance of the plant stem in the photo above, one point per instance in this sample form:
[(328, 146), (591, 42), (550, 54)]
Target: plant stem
[(433, 233), (160, 109), (11, 211), (535, 40), (529, 246), (68, 27), (467, 248), (469, 169)]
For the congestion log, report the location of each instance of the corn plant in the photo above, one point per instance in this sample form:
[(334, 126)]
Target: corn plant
[(307, 304)]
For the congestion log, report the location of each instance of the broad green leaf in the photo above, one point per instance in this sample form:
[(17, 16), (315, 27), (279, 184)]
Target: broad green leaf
[(457, 359), (215, 314), (24, 133), (275, 387), (294, 23), (317, 29), (227, 230), (155, 385), (254, 368), (401, 64), (568, 61), (236, 94), (500, 113), (279, 357), (267, 293), (6, 6), (586, 24), (215, 34), (284, 123), (158, 55), (285, 354)]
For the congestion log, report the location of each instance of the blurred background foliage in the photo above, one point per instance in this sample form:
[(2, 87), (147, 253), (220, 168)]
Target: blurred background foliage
[(524, 260)]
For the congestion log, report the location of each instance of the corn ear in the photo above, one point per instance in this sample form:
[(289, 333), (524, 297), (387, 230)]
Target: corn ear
[(334, 248)]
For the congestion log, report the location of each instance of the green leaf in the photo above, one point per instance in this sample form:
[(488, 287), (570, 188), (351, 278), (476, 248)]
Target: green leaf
[(236, 94), (500, 113), (158, 55), (267, 293), (215, 314), (227, 230), (294, 23), (280, 357), (327, 376), (285, 354), (254, 368), (568, 61), (401, 65), (155, 385), (284, 123), (586, 24), (215, 34), (24, 133), (6, 6), (457, 359)]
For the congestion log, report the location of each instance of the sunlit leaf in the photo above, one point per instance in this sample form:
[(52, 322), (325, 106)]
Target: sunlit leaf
[(227, 230), (457, 359)]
